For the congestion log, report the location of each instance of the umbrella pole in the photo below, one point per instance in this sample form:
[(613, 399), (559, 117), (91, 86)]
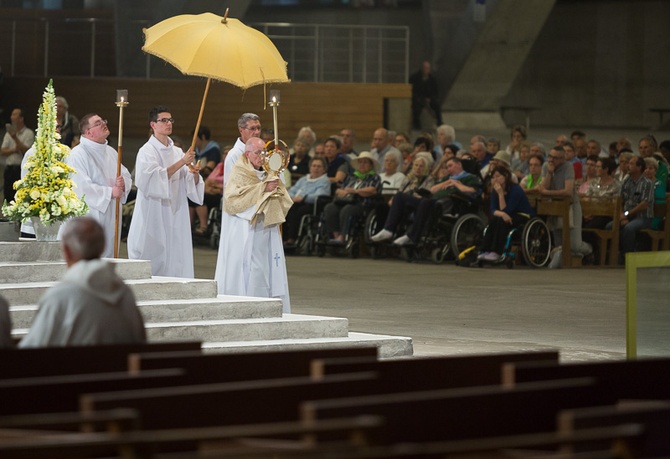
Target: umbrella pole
[(202, 109), (121, 104)]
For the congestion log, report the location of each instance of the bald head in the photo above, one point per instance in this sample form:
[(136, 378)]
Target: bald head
[(253, 149), (83, 239)]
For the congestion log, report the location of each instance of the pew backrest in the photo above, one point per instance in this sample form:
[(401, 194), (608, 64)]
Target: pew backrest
[(49, 361)]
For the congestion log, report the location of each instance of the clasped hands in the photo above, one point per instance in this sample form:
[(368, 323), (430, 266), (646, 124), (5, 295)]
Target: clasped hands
[(118, 188)]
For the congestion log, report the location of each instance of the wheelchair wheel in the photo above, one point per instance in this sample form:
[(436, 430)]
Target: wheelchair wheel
[(305, 246), (536, 243), (440, 253), (215, 236), (371, 227), (467, 232)]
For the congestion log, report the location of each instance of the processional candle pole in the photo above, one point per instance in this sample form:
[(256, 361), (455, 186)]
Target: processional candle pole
[(121, 102), (274, 103)]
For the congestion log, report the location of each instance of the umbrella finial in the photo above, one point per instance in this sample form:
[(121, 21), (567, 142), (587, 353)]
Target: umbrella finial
[(225, 17)]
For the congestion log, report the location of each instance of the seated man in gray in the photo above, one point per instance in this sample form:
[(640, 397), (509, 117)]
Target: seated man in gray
[(91, 305)]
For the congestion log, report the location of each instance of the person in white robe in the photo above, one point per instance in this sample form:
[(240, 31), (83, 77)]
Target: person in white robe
[(251, 246), (96, 181), (160, 230), (91, 305), (249, 126)]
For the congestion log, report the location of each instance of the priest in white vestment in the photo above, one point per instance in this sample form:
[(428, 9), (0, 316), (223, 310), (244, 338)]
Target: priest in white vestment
[(91, 305), (251, 253), (96, 180), (160, 230)]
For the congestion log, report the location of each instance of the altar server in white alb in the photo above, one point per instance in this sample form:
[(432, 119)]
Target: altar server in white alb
[(251, 254), (97, 183), (160, 230)]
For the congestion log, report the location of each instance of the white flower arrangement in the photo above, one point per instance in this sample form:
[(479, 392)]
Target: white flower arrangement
[(46, 189)]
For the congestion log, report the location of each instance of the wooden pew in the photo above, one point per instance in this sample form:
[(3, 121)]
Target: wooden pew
[(117, 420), (465, 413), (48, 361), (660, 239), (596, 207), (135, 443), (229, 440), (652, 416), (60, 393), (204, 368), (644, 379), (231, 403), (431, 372)]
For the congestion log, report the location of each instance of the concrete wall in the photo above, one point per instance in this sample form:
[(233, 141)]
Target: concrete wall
[(598, 64)]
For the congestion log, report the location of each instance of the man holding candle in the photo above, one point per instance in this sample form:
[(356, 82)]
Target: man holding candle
[(160, 230), (97, 183)]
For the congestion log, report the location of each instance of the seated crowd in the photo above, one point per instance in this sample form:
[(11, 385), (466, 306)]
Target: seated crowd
[(400, 177)]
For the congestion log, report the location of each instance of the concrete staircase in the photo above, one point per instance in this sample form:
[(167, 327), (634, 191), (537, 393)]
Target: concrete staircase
[(184, 309)]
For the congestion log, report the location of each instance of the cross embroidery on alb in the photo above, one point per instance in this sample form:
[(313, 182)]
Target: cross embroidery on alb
[(277, 258)]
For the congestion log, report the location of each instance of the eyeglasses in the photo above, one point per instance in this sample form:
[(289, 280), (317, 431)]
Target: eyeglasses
[(253, 129), (98, 124), (165, 120), (554, 157)]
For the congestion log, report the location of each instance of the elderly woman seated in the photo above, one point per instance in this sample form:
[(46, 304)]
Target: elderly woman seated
[(304, 194), (392, 178), (418, 179), (359, 189), (509, 208)]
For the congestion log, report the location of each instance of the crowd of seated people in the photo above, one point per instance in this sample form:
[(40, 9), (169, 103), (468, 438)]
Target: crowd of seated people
[(404, 166)]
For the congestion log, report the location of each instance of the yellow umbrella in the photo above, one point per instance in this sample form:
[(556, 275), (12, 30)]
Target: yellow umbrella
[(216, 47)]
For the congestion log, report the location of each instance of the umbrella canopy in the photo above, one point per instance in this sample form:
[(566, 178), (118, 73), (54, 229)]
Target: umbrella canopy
[(216, 47)]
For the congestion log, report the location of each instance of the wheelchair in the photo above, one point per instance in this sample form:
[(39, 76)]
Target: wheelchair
[(308, 232), (214, 225), (533, 238), (355, 230), (449, 233)]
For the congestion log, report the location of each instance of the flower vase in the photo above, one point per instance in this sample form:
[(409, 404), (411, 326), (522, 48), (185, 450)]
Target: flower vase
[(45, 232)]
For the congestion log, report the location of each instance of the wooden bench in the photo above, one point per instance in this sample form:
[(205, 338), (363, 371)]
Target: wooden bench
[(465, 413), (48, 361), (608, 207), (245, 366), (624, 379), (228, 440), (660, 239), (60, 393), (244, 402), (652, 416), (431, 372)]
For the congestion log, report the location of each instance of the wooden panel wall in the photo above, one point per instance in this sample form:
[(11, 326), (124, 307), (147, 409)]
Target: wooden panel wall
[(326, 107)]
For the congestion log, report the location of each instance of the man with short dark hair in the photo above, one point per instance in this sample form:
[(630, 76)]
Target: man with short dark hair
[(160, 230), (637, 196), (91, 305)]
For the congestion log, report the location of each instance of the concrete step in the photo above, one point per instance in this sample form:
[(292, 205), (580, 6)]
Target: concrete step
[(388, 346), (52, 271), (273, 328), (223, 307), (289, 325), (31, 251), (156, 288)]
